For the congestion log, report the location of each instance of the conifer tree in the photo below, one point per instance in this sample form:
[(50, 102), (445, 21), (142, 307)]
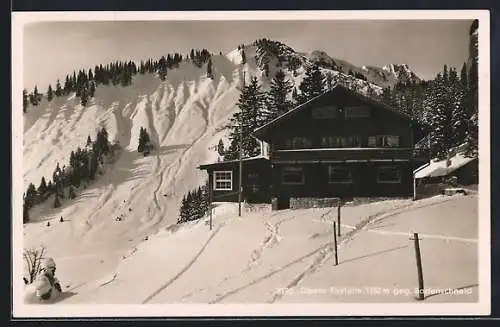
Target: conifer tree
[(93, 164), (140, 147), (26, 215), (184, 215), (295, 95), (220, 148), (440, 120), (278, 101), (312, 85), (38, 96), (196, 209), (459, 113), (74, 85), (31, 195), (67, 85), (34, 99), (25, 100), (50, 93), (144, 141), (205, 201), (43, 187), (92, 89), (463, 77), (243, 57), (84, 97), (248, 118), (189, 207), (59, 90), (266, 70), (209, 69)]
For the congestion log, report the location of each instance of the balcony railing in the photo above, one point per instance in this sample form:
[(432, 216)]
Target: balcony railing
[(342, 155)]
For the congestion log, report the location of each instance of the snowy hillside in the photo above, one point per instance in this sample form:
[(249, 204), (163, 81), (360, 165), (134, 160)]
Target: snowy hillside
[(385, 76), (287, 257)]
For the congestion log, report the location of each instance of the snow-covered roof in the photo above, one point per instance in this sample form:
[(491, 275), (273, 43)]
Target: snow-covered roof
[(439, 168), (259, 157)]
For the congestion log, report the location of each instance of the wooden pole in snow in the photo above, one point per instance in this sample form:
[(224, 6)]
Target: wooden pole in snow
[(241, 157), (338, 217), (335, 244), (210, 200), (414, 188), (418, 258)]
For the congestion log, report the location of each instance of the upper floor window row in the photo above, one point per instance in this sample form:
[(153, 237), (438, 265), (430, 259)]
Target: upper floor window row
[(330, 112), (347, 141)]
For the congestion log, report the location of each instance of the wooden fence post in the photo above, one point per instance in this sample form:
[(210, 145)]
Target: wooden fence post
[(335, 243), (338, 216), (210, 200), (419, 266)]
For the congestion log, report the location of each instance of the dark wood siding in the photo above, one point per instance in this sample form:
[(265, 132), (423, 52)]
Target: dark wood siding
[(255, 179), (364, 181), (380, 122)]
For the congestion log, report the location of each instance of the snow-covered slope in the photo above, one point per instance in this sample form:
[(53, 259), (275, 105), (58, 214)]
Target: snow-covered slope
[(287, 257), (385, 76)]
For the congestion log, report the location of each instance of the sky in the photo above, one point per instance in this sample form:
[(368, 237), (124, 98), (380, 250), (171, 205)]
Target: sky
[(54, 49)]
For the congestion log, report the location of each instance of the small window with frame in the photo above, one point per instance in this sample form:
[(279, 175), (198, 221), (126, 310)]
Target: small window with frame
[(357, 112), (223, 180), (388, 175), (383, 141), (339, 175), (293, 176)]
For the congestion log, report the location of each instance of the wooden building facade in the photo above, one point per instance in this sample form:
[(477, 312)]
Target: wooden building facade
[(224, 180), (341, 144), (338, 145)]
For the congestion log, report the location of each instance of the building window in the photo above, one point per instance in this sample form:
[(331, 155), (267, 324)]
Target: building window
[(357, 112), (339, 175), (383, 141), (298, 143), (388, 175), (223, 180), (324, 112), (340, 141), (293, 176)]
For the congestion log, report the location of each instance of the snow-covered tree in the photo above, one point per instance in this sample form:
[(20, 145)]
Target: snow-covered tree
[(248, 118), (312, 85), (440, 119), (278, 97)]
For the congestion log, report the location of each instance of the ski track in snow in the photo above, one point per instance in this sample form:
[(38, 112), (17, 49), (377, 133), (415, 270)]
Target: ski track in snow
[(182, 271), (322, 253), (327, 252)]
